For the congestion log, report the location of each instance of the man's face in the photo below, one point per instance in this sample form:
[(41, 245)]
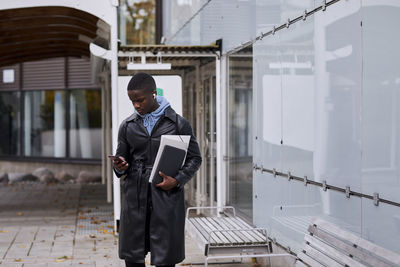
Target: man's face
[(142, 100)]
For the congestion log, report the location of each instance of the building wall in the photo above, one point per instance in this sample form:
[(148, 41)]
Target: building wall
[(56, 168), (325, 96), (51, 116)]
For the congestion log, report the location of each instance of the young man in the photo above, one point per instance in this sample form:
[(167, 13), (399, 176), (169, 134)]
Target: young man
[(152, 215)]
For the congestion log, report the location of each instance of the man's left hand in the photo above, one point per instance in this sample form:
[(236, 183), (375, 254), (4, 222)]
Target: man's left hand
[(168, 182)]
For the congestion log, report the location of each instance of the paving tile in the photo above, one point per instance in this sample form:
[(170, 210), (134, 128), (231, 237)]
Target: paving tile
[(11, 265), (26, 234)]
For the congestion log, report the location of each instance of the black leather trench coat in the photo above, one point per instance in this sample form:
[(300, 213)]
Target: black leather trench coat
[(167, 220)]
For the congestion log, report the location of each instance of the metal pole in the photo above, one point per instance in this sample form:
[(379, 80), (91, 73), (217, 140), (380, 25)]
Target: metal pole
[(114, 99), (198, 133), (212, 142), (221, 129)]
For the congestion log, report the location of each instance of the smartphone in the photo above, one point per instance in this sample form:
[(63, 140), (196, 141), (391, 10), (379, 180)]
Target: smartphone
[(115, 158)]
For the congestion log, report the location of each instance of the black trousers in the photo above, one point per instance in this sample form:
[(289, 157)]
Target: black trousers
[(149, 209)]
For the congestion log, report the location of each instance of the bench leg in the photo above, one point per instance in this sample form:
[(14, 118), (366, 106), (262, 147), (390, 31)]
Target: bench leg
[(248, 256)]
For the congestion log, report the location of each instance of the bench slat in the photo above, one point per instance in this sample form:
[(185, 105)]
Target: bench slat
[(200, 229), (321, 256), (331, 252), (214, 238), (245, 237), (238, 234), (234, 235), (300, 264), (379, 251), (310, 261), (222, 239), (359, 254), (256, 233), (251, 235), (196, 234), (229, 235)]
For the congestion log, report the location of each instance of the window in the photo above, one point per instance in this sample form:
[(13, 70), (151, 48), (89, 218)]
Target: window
[(9, 121), (137, 22), (85, 124), (52, 110), (44, 124)]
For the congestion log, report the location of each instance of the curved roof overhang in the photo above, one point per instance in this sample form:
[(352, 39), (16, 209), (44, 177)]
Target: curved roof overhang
[(35, 33)]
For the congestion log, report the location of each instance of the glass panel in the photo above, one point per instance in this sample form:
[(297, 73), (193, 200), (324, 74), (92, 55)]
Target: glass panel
[(381, 121), (177, 12), (234, 21), (44, 124), (298, 98), (272, 13), (10, 123), (337, 40), (85, 124), (240, 130), (268, 98), (286, 209), (381, 100), (189, 35), (381, 225), (137, 22)]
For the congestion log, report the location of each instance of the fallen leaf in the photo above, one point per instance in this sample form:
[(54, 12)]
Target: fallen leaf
[(22, 246), (82, 217), (94, 249), (19, 213), (62, 259), (4, 231), (81, 226), (92, 236), (18, 260)]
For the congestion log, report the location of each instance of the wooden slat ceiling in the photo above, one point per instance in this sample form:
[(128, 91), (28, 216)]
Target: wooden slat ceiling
[(36, 33)]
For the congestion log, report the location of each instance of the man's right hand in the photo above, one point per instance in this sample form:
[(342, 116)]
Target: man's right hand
[(120, 164)]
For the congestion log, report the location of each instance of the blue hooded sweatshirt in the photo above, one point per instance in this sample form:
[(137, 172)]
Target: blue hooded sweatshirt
[(150, 119)]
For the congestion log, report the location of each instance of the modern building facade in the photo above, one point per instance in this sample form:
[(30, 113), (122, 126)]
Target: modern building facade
[(310, 94)]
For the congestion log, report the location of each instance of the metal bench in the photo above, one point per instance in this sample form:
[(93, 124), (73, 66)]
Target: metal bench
[(326, 244), (226, 236)]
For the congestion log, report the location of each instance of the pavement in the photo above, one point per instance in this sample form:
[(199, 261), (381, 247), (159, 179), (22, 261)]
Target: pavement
[(65, 225)]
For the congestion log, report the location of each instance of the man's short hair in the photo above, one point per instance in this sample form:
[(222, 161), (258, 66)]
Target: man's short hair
[(142, 81)]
